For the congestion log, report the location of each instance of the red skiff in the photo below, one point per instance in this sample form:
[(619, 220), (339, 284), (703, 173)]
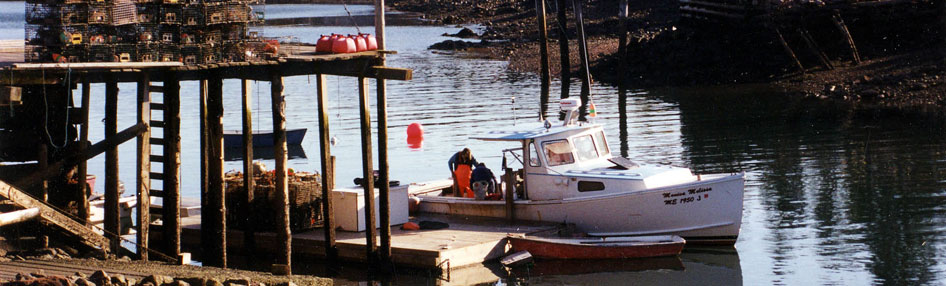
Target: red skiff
[(599, 247)]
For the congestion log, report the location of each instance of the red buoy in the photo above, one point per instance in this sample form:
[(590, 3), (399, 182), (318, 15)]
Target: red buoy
[(360, 44), (371, 41), (343, 45), (324, 45), (415, 130)]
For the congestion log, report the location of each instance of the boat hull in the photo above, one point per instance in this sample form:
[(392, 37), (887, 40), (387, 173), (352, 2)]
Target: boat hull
[(263, 138), (599, 248), (706, 211)]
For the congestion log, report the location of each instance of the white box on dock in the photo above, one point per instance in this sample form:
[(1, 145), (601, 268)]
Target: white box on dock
[(349, 206)]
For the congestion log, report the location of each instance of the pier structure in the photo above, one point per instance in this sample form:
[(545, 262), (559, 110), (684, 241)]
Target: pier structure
[(30, 86)]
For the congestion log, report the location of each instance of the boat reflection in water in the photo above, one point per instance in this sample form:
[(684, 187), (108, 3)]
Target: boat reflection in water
[(264, 153), (712, 265)]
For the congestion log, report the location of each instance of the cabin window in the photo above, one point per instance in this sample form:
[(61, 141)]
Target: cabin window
[(558, 152), (533, 155), (585, 147), (602, 143), (590, 186)]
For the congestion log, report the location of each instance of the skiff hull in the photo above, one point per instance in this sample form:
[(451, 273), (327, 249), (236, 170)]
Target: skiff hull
[(599, 247)]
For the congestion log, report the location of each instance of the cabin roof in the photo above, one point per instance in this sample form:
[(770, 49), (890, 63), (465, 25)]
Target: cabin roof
[(529, 132)]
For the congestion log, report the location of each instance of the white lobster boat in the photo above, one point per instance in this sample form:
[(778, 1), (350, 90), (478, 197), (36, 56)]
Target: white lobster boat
[(569, 175)]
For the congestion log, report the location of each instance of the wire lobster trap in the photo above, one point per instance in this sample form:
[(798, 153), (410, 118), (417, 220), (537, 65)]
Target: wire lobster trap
[(239, 12), (102, 53), (148, 14), (99, 14), (211, 37), (168, 53), (40, 14), (123, 12), (147, 34), (193, 16), (169, 34), (76, 53), (126, 53), (215, 13), (234, 52), (101, 35), (147, 52), (171, 14)]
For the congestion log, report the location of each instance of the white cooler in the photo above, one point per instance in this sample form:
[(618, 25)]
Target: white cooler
[(349, 206)]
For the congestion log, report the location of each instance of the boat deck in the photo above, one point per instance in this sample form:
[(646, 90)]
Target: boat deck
[(468, 241)]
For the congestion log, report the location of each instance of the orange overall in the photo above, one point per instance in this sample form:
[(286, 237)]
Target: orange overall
[(462, 173)]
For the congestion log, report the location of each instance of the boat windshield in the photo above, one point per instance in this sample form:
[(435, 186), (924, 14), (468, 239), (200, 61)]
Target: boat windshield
[(585, 147), (558, 152)]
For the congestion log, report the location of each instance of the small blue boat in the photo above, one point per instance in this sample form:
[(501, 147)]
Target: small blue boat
[(234, 138)]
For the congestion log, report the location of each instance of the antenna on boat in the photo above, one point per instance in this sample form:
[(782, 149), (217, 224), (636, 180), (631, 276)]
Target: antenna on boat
[(570, 106), (513, 98)]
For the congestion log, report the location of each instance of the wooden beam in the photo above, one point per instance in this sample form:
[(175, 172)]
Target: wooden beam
[(544, 73), (86, 235), (249, 237), (510, 194), (328, 215), (89, 66), (216, 212), (144, 168), (172, 166), (18, 216), (112, 218), (205, 230), (367, 170), (379, 23), (283, 231), (813, 47), (383, 72), (839, 23), (789, 51)]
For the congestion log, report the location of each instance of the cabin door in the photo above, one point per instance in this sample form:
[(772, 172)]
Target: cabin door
[(540, 184)]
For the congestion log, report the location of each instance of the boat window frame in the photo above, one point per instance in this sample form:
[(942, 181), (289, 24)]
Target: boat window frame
[(599, 137), (578, 152), (533, 152), (548, 159)]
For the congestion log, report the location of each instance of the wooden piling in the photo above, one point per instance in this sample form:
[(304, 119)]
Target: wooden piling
[(563, 51), (171, 209), (367, 170), (205, 231), (248, 182), (622, 46), (214, 215), (283, 233), (543, 57), (379, 23), (839, 23), (43, 160), (813, 47), (789, 51), (112, 220), (510, 196), (583, 54), (144, 167), (81, 198), (328, 215), (384, 205)]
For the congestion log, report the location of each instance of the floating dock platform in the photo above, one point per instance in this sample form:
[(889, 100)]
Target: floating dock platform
[(467, 241)]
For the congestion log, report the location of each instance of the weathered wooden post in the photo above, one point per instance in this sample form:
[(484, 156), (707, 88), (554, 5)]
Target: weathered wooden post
[(510, 196), (42, 153), (788, 50), (367, 170), (283, 264), (249, 236), (384, 190), (328, 214), (839, 23), (144, 167), (583, 54), (622, 46), (171, 209), (83, 200), (563, 51), (112, 220), (214, 216), (544, 56)]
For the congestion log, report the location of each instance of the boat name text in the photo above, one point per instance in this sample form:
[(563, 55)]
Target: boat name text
[(695, 195)]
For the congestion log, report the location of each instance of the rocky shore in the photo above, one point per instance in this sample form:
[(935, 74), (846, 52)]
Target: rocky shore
[(903, 53)]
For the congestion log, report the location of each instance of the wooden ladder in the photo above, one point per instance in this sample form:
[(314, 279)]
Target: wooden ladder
[(164, 148)]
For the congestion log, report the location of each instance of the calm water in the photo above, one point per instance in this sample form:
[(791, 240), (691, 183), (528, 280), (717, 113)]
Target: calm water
[(832, 196)]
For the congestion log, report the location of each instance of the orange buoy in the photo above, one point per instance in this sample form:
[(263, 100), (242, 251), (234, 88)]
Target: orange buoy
[(370, 41), (324, 45), (415, 130), (415, 143), (343, 45)]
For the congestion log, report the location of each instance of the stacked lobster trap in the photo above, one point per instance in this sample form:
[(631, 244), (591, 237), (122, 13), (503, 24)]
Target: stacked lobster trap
[(188, 31)]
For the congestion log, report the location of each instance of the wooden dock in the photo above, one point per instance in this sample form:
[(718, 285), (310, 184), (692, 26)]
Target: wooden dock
[(468, 241)]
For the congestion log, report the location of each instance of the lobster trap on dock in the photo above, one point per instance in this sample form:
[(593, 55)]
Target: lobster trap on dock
[(305, 201)]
